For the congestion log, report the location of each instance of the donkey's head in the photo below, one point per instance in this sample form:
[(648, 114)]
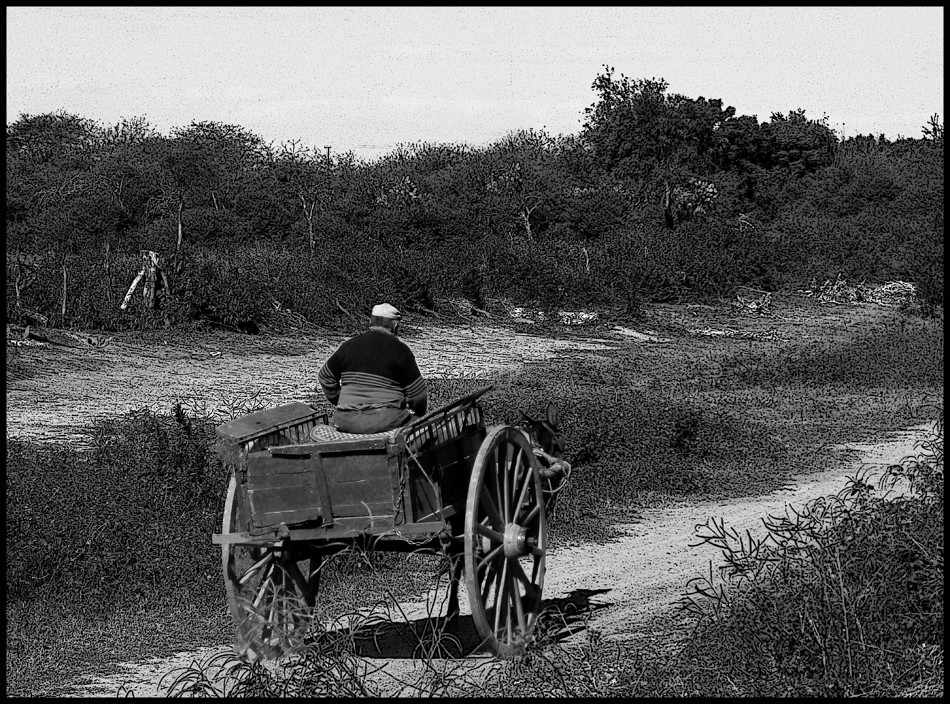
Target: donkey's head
[(544, 433)]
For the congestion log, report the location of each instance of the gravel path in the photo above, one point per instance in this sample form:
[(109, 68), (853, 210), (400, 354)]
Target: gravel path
[(633, 583)]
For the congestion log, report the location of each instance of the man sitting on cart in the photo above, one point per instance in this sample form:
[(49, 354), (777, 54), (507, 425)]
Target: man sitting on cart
[(373, 379)]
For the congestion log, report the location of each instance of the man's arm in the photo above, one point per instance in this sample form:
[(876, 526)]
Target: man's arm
[(417, 393), (329, 381), (417, 396)]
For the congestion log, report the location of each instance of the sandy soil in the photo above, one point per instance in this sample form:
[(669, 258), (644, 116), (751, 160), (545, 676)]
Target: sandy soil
[(56, 389)]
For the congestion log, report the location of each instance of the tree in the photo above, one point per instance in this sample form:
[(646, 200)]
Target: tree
[(528, 159), (124, 172), (50, 162), (933, 130), (799, 144), (653, 141), (304, 177)]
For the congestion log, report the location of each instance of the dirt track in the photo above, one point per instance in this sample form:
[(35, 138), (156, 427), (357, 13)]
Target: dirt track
[(630, 584)]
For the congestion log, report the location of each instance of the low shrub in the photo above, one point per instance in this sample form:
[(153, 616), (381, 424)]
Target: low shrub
[(907, 353), (843, 598), (133, 514)]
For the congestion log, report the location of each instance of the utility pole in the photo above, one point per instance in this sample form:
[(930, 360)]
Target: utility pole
[(327, 147)]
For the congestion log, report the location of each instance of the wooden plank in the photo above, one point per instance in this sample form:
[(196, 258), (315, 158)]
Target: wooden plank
[(262, 465), (272, 500), (359, 484), (400, 505), (422, 492), (447, 512), (356, 527), (282, 489), (323, 491), (357, 445), (346, 528), (266, 421), (307, 448)]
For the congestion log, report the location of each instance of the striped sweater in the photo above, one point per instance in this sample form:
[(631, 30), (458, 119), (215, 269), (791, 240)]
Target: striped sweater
[(374, 367)]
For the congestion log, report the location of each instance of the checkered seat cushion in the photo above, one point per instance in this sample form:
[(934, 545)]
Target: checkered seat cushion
[(327, 433)]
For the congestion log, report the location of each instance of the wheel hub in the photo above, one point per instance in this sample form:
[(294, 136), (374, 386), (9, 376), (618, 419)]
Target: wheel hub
[(516, 540)]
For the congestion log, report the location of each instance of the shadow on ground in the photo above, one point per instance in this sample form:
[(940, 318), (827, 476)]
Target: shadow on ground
[(432, 637)]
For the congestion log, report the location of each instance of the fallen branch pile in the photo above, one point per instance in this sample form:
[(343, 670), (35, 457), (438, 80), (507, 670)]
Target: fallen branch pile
[(754, 305), (28, 336), (771, 334), (840, 292)]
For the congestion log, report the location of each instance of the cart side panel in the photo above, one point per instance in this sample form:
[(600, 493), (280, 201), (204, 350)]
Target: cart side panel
[(439, 475), (282, 489), (359, 483)]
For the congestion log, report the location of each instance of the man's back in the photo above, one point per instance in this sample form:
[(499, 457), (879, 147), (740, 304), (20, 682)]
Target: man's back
[(375, 367), (373, 378)]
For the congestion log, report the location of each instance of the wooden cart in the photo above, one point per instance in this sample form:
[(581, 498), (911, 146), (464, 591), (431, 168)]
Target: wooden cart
[(300, 490)]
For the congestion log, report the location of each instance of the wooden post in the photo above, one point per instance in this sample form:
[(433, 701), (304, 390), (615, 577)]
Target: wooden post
[(149, 266), (181, 202), (128, 295), (63, 265), (150, 272), (110, 295), (16, 280)]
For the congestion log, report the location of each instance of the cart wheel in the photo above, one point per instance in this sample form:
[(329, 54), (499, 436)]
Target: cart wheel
[(271, 591), (505, 540)]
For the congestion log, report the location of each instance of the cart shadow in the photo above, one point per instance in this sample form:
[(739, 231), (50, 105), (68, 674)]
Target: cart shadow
[(432, 637)]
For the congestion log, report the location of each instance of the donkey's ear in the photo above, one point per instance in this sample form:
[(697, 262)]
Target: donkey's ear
[(552, 415), (526, 417)]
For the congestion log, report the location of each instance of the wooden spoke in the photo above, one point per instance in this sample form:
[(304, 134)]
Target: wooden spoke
[(518, 573), (490, 575), (506, 483), (501, 602), (522, 498), (491, 509), (490, 558), (516, 598), (494, 536), (532, 514), (522, 492), (497, 497)]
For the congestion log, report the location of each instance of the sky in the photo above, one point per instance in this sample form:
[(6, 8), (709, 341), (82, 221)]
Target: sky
[(365, 79)]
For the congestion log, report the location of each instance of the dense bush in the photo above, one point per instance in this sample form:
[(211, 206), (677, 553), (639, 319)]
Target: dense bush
[(658, 197), (119, 517)]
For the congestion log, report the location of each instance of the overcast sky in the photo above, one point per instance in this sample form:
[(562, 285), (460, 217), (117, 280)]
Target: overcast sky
[(367, 78)]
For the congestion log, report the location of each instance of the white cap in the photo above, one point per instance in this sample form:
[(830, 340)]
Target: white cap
[(384, 310)]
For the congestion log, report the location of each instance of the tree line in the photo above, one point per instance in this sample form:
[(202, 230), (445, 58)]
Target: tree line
[(658, 197)]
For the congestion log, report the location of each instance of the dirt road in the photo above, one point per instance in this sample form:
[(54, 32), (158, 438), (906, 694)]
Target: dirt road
[(632, 583)]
